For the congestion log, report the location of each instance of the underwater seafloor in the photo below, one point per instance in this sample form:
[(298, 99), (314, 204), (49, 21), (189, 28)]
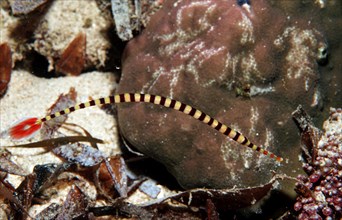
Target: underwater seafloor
[(270, 70)]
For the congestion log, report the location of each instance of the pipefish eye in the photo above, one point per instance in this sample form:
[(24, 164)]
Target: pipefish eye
[(242, 2), (322, 54)]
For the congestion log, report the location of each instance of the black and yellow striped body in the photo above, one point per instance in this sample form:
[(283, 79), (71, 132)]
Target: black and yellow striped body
[(169, 103)]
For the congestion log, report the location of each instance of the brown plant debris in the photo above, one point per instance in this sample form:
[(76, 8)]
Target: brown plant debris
[(111, 176), (6, 165), (5, 67), (26, 6), (73, 57), (75, 205)]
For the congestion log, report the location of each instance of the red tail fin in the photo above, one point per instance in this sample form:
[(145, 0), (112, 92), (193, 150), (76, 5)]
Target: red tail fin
[(24, 129)]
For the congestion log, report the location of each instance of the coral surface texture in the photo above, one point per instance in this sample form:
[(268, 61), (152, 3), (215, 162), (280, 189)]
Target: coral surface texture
[(249, 66)]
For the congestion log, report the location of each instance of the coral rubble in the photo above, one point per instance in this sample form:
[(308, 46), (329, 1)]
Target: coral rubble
[(320, 193)]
